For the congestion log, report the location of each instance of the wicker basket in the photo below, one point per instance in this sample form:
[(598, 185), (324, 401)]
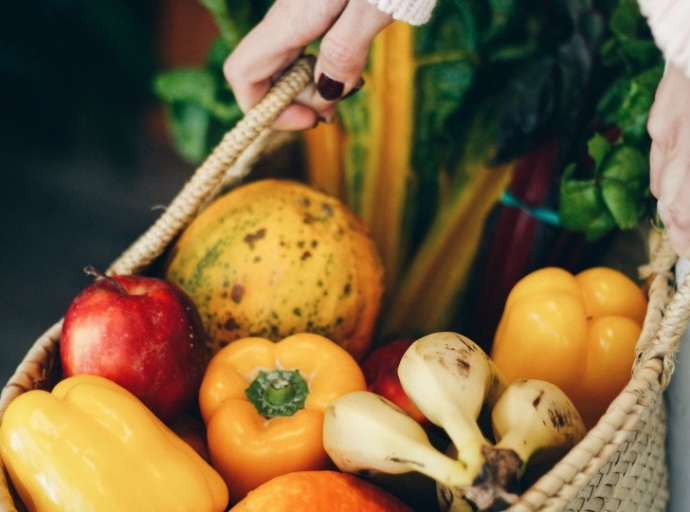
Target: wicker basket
[(621, 463)]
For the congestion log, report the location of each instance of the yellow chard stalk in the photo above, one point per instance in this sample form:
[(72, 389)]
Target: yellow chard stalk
[(390, 156)]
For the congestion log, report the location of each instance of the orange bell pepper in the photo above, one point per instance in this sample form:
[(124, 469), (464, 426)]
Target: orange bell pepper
[(263, 404), (576, 331)]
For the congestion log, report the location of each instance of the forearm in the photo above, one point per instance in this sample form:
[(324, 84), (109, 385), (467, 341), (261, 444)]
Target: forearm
[(414, 12)]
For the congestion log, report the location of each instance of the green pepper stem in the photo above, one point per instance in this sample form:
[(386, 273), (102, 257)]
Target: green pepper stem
[(278, 392)]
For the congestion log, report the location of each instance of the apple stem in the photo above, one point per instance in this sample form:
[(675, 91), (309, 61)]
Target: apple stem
[(93, 271)]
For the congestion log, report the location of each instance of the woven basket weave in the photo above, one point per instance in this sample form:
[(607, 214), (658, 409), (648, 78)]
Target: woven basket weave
[(620, 464)]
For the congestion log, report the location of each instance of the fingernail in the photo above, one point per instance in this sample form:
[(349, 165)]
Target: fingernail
[(355, 89), (328, 88)]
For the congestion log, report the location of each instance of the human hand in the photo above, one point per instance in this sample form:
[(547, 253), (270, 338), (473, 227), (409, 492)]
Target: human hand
[(348, 27), (669, 128)]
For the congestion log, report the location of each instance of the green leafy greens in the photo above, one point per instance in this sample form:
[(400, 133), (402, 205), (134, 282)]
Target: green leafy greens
[(611, 191)]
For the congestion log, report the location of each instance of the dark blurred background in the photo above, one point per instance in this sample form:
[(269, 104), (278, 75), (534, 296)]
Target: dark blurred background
[(84, 151)]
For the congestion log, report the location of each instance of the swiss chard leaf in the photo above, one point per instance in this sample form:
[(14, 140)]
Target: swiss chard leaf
[(550, 91), (529, 109)]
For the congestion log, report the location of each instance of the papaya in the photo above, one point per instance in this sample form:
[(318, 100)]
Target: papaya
[(274, 257)]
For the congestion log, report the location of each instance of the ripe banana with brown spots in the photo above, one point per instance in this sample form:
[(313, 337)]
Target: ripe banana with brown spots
[(450, 379), (537, 421), (534, 422), (365, 433)]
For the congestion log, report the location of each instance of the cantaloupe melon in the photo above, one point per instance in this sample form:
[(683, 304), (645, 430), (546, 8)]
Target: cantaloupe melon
[(274, 257)]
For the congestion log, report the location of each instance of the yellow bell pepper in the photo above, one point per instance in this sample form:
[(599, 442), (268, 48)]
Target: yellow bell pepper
[(263, 404), (91, 445), (576, 331)]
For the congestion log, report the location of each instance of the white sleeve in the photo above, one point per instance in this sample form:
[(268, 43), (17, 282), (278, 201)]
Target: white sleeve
[(669, 21), (414, 12)]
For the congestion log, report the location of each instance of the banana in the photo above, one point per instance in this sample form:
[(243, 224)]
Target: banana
[(537, 421), (453, 499), (534, 423), (365, 433), (490, 491), (450, 378)]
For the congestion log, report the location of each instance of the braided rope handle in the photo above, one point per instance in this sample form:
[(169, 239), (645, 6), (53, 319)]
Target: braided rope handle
[(671, 321), (219, 168)]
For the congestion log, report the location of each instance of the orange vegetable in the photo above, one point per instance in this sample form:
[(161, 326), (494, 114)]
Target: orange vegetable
[(263, 405), (319, 491), (576, 331)]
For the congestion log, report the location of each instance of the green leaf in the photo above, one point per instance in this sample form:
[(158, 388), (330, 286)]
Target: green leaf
[(636, 104), (189, 130), (441, 89), (598, 147), (186, 84), (582, 207), (600, 227), (354, 116), (597, 205), (621, 200), (625, 19), (452, 29), (616, 195), (580, 202), (631, 44), (235, 18), (198, 113), (529, 107), (502, 13), (623, 185)]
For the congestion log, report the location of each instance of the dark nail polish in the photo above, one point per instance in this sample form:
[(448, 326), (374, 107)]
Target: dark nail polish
[(355, 89), (328, 88)]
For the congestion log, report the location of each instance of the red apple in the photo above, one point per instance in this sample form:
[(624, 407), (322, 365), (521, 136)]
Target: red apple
[(143, 333)]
